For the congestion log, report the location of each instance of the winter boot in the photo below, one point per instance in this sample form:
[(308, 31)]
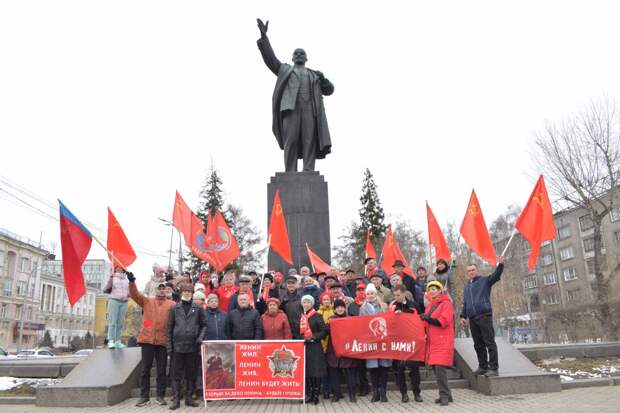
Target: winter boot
[(383, 395), (176, 395), (188, 397), (404, 398)]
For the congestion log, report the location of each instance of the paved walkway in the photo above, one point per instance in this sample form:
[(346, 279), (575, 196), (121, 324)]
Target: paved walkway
[(594, 399)]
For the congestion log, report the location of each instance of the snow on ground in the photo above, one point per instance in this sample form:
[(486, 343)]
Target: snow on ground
[(9, 383)]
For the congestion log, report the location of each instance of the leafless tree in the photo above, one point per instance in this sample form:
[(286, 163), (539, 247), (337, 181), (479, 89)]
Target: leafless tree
[(580, 158)]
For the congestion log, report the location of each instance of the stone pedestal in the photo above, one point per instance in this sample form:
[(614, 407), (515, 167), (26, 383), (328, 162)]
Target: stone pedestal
[(306, 209)]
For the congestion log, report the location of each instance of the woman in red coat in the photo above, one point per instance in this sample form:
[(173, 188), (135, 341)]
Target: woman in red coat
[(439, 315), (275, 322)]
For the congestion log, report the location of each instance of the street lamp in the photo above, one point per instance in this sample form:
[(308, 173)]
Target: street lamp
[(171, 225)]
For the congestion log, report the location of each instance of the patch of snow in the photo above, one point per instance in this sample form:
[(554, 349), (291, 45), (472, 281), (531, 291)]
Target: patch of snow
[(564, 379), (9, 383)]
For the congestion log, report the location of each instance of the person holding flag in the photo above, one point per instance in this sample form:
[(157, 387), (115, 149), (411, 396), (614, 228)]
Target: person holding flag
[(478, 313), (117, 289)]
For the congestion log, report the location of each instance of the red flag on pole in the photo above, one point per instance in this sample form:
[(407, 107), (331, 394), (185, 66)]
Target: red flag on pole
[(221, 243), (536, 221), (278, 234), (370, 250), (118, 244), (391, 252), (436, 238), (182, 218), (75, 242), (318, 265), (475, 233)]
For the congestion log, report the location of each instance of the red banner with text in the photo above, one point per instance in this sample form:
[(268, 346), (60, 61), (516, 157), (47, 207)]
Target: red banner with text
[(382, 336), (253, 369)]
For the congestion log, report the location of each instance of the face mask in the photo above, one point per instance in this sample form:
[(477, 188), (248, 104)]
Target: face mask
[(186, 299)]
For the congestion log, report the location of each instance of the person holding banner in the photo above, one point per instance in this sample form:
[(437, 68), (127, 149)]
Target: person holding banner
[(338, 366), (402, 305), (378, 367), (439, 316), (312, 329), (187, 327), (478, 312)]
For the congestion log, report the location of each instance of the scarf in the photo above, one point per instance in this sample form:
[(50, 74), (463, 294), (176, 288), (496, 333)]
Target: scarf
[(304, 326), (360, 296)]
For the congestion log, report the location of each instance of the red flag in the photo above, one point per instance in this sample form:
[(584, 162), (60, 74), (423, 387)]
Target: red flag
[(391, 252), (370, 250), (278, 234), (475, 233), (221, 243), (536, 221), (318, 265), (118, 244), (188, 224), (75, 241), (436, 238), (182, 218)]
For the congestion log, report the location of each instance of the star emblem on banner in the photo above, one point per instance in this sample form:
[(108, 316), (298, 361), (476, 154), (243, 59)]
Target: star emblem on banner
[(283, 362)]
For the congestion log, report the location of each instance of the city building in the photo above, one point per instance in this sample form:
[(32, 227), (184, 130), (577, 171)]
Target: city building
[(20, 273), (60, 319), (96, 272)]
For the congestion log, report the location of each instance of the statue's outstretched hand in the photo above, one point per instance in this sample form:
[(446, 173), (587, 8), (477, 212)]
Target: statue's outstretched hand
[(262, 27)]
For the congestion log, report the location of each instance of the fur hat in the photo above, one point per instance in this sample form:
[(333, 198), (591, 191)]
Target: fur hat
[(308, 298)]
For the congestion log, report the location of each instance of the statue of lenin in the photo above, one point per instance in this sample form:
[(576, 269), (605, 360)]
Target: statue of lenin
[(299, 121)]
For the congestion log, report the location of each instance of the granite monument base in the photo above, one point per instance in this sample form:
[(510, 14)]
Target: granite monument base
[(305, 205)]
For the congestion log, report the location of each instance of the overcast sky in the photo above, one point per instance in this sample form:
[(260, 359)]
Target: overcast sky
[(120, 103)]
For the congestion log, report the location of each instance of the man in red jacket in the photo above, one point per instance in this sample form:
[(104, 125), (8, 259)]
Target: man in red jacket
[(439, 316)]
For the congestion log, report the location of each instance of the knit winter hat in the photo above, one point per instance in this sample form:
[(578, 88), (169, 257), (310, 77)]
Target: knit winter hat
[(212, 296), (371, 288), (308, 298), (199, 286), (339, 303), (199, 295)]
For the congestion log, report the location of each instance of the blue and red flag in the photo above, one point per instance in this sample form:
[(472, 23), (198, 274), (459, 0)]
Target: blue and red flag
[(75, 241)]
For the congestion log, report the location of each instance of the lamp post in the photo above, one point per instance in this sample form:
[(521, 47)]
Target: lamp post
[(171, 225)]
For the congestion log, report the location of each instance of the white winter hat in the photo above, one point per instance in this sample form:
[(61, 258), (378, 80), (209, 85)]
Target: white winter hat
[(199, 295), (199, 286), (371, 288)]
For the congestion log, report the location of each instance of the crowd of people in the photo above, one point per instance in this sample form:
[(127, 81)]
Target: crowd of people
[(180, 312)]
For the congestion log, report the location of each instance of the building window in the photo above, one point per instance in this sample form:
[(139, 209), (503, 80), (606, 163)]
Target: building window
[(564, 232), (550, 279), (8, 287), (551, 299), (572, 296), (21, 288), (569, 274), (529, 282), (588, 244), (586, 223), (2, 255), (25, 265), (18, 312), (617, 237), (546, 259), (614, 214), (4, 311), (567, 253)]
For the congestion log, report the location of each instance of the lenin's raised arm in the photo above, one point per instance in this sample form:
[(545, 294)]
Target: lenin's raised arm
[(265, 48)]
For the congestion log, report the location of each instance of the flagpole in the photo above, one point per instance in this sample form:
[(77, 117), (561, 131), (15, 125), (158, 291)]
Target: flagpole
[(108, 251), (262, 277), (514, 232)]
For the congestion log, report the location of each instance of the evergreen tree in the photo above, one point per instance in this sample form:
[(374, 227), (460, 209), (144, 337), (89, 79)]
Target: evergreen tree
[(248, 237), (47, 340), (371, 211), (350, 252)]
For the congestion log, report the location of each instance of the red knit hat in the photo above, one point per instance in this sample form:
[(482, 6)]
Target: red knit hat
[(325, 294)]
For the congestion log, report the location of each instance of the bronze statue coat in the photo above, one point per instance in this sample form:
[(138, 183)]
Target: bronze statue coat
[(318, 88)]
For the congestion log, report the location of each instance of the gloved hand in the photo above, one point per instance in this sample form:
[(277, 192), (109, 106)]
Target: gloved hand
[(130, 276), (424, 317)]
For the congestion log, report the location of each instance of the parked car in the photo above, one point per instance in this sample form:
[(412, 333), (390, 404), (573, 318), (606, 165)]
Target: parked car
[(83, 353), (5, 355), (37, 353)]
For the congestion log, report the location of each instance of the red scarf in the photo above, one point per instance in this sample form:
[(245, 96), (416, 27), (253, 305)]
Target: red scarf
[(360, 296), (304, 326)]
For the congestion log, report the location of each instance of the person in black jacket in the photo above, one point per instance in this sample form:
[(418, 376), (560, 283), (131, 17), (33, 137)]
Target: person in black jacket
[(216, 319), (291, 304), (312, 330), (244, 322), (478, 310), (186, 328), (402, 305), (410, 283)]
